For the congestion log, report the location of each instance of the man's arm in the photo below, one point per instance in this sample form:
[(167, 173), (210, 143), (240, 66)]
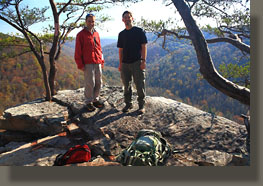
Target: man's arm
[(78, 54), (143, 56), (120, 57)]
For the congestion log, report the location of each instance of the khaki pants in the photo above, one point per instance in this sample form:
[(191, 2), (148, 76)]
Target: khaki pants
[(93, 82), (129, 71)]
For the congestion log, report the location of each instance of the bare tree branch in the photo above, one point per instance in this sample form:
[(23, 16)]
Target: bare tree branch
[(20, 54), (14, 45), (210, 4), (235, 42), (64, 7), (80, 4), (166, 32), (65, 33)]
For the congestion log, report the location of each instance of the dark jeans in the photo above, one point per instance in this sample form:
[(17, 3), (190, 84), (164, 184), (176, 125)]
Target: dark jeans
[(129, 71)]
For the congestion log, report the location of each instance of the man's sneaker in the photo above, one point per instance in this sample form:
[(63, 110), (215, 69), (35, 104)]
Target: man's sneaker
[(98, 104), (90, 107), (127, 108)]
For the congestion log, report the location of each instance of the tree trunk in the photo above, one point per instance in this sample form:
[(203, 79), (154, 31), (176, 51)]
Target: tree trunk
[(46, 82), (40, 59), (52, 76), (52, 62), (207, 68)]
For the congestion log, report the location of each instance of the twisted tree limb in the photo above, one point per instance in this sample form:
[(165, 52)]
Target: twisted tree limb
[(207, 68)]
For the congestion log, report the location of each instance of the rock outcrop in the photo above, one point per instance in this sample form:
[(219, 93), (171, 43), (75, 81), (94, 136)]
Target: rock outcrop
[(36, 132)]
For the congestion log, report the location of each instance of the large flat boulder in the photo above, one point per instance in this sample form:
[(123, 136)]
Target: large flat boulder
[(36, 117)]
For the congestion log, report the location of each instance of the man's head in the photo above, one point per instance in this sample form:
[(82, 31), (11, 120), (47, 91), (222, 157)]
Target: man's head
[(127, 18), (90, 21)]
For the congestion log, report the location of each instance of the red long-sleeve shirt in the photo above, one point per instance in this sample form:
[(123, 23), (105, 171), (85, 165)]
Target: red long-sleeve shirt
[(88, 49)]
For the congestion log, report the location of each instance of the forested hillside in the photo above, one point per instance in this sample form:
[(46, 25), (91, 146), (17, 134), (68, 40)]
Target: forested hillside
[(172, 74), (21, 76)]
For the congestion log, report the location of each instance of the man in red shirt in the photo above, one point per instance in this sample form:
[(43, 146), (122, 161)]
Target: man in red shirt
[(89, 58)]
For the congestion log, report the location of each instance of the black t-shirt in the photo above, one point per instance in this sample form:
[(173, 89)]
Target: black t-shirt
[(131, 41)]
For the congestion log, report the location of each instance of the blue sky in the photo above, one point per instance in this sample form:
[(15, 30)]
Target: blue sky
[(147, 9)]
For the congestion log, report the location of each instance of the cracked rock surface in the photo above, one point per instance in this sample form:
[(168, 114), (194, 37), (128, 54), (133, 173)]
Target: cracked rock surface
[(36, 132)]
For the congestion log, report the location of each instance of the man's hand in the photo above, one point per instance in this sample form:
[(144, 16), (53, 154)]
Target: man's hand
[(119, 67), (81, 68), (143, 64)]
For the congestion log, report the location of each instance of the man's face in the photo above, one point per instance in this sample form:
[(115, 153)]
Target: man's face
[(127, 19), (90, 21)]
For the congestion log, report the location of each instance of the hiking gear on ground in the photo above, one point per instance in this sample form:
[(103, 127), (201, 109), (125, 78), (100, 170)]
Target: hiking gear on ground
[(127, 108), (98, 104), (76, 154), (148, 149), (90, 107)]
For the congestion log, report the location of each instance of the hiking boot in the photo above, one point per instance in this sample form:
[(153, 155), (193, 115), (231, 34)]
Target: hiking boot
[(141, 109), (98, 104), (127, 108), (90, 107)]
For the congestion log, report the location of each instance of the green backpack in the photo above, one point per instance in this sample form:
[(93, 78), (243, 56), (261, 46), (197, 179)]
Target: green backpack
[(148, 149)]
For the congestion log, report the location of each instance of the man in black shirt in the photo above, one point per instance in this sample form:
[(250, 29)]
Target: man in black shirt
[(132, 56)]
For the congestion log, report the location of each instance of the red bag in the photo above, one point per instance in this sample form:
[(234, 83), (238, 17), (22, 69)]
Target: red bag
[(76, 154)]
